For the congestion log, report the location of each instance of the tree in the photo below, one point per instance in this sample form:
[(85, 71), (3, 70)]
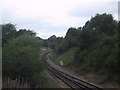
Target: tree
[(21, 57), (8, 32), (86, 39), (23, 31), (103, 22), (99, 47), (71, 37), (51, 41)]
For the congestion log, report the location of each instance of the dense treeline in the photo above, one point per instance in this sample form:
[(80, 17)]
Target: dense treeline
[(52, 41), (97, 45), (21, 55)]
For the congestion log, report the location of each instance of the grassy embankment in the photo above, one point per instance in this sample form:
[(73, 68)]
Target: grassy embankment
[(67, 58), (69, 62)]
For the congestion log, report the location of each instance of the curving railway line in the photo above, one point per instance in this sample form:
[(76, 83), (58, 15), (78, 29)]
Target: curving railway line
[(73, 82)]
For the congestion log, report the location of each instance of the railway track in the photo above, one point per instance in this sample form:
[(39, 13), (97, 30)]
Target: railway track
[(73, 82)]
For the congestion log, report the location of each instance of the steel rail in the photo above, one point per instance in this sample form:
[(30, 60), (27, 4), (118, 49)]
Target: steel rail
[(78, 82), (85, 82)]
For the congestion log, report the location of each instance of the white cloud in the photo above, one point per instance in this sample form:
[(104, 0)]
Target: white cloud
[(49, 17), (39, 8), (45, 34)]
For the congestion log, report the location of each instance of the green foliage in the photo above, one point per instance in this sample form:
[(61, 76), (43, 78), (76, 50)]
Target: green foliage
[(67, 57), (101, 57), (24, 31), (86, 39), (8, 32), (98, 46), (24, 40), (52, 41), (70, 41), (46, 82), (21, 58), (91, 32), (103, 22), (71, 37), (60, 48)]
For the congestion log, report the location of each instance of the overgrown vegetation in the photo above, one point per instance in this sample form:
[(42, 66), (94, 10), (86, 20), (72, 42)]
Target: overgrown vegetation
[(92, 48), (22, 56), (67, 57), (97, 43)]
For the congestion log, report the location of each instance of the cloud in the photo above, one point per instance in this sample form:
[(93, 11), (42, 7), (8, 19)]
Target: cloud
[(119, 11), (93, 8), (48, 17), (41, 8), (46, 34), (44, 28)]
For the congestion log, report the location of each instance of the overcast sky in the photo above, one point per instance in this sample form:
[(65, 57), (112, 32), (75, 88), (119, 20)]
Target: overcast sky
[(49, 17)]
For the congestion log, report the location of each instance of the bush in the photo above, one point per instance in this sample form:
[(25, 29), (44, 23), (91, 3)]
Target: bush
[(21, 58)]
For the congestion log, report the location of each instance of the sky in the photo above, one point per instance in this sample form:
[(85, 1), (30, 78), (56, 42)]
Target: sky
[(53, 17)]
